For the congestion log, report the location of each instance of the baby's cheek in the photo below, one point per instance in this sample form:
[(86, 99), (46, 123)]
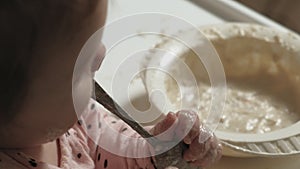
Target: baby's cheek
[(83, 75), (98, 58), (82, 92)]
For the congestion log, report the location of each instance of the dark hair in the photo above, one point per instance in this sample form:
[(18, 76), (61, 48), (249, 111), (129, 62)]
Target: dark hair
[(22, 22)]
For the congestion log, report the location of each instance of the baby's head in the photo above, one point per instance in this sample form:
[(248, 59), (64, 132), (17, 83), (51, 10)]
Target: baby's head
[(40, 42)]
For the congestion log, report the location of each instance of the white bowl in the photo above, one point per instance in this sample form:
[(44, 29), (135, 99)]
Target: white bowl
[(284, 47)]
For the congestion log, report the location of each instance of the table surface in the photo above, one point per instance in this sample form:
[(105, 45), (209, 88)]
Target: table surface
[(115, 57)]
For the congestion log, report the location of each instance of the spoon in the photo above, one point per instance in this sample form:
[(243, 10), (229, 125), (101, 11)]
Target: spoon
[(172, 157)]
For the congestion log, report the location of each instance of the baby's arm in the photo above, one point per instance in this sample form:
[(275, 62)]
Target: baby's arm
[(118, 146), (113, 144)]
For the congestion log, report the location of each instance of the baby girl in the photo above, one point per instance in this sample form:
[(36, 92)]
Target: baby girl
[(40, 42)]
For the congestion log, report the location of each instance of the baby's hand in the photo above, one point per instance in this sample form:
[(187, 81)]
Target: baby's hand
[(203, 146)]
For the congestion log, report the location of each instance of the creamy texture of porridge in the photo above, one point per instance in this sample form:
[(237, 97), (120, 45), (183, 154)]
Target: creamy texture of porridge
[(248, 111), (263, 86)]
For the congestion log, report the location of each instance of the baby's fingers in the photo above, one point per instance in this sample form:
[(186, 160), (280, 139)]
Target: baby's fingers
[(204, 153), (188, 126), (211, 157), (168, 123), (206, 161), (196, 151)]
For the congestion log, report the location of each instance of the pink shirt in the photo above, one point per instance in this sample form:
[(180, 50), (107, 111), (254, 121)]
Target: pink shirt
[(78, 149)]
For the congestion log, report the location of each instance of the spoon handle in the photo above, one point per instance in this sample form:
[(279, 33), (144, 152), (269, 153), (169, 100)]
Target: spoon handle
[(103, 98), (172, 157)]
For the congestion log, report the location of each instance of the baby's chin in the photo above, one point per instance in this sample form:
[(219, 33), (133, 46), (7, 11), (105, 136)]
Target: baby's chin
[(18, 137), (53, 133)]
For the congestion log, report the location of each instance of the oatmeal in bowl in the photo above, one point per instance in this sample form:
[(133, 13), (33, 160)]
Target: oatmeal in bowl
[(262, 66)]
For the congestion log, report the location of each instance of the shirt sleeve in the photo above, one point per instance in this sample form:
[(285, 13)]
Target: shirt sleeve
[(112, 143)]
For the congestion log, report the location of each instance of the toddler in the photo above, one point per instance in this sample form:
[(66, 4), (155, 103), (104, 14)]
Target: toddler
[(39, 129)]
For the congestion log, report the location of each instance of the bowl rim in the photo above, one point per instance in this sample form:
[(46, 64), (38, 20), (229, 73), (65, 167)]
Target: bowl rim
[(270, 35), (228, 30)]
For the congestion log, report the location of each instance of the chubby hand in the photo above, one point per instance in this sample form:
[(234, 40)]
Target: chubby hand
[(203, 146)]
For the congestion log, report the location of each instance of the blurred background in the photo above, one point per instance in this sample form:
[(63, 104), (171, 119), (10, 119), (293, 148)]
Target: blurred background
[(286, 12)]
